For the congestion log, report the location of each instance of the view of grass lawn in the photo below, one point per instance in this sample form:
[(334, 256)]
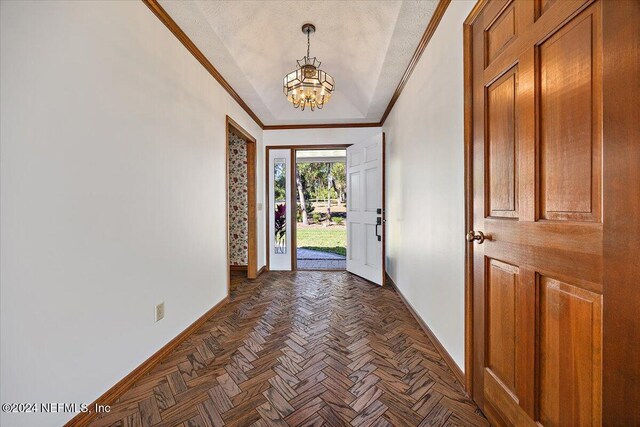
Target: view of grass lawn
[(331, 239)]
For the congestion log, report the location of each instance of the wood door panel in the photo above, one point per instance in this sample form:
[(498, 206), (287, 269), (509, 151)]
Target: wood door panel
[(500, 33), (537, 195), (502, 408), (502, 173), (542, 6), (570, 148), (531, 34), (569, 353), (501, 283)]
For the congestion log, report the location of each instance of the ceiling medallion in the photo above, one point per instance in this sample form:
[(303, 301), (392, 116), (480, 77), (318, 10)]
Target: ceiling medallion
[(308, 85)]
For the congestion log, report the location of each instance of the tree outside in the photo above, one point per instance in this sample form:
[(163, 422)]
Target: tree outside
[(321, 189), (321, 193)]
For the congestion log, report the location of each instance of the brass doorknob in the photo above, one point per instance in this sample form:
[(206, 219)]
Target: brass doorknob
[(475, 236)]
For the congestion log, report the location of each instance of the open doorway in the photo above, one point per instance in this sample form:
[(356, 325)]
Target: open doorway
[(241, 203), (321, 200)]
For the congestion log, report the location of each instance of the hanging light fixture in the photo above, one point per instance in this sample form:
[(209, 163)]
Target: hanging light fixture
[(308, 85)]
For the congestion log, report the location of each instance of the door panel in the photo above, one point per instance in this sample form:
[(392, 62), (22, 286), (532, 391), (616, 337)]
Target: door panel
[(570, 354), (502, 282), (373, 191), (502, 173), (542, 6), (537, 150), (509, 411), (355, 232), (570, 149), (364, 210), (354, 186), (500, 33)]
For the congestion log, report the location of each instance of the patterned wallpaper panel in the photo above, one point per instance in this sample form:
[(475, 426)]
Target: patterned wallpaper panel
[(238, 205)]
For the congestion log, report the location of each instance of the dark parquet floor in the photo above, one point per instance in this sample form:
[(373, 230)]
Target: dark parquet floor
[(305, 348)]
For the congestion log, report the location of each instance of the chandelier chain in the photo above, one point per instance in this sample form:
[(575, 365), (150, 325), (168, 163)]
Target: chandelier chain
[(308, 43)]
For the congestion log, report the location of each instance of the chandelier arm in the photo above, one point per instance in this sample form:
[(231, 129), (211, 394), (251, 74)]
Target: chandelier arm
[(308, 80)]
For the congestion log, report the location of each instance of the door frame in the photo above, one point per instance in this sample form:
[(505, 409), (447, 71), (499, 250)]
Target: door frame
[(252, 220), (621, 210), (294, 169), (384, 210), (293, 189), (468, 190)]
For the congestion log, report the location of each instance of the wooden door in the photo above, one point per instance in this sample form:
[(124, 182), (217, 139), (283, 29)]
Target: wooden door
[(364, 210), (537, 197)]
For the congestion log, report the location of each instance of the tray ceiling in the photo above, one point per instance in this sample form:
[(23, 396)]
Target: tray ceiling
[(365, 45)]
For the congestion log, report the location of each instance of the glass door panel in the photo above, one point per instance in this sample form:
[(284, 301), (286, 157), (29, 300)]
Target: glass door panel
[(279, 209)]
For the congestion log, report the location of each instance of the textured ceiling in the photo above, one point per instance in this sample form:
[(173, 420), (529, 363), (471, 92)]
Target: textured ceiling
[(365, 45)]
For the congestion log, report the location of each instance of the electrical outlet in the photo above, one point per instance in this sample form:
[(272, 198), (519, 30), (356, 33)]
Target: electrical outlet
[(159, 311), (259, 206)]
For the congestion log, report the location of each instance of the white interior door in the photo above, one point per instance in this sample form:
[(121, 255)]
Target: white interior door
[(280, 210), (364, 210)]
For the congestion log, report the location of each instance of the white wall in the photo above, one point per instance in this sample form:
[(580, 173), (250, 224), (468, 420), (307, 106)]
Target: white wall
[(425, 185), (319, 136), (112, 196)]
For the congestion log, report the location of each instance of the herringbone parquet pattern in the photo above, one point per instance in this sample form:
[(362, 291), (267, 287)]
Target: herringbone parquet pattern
[(301, 349)]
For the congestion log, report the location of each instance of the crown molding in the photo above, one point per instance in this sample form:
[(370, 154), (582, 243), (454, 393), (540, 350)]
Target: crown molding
[(166, 19), (426, 37), (323, 126), (191, 47)]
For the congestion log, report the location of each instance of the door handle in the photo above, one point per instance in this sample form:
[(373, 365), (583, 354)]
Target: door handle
[(475, 236), (378, 224)]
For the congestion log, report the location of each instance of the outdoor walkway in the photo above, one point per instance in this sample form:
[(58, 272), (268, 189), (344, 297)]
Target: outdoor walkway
[(308, 259)]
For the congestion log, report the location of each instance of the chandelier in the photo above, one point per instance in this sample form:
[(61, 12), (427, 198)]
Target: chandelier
[(308, 85)]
